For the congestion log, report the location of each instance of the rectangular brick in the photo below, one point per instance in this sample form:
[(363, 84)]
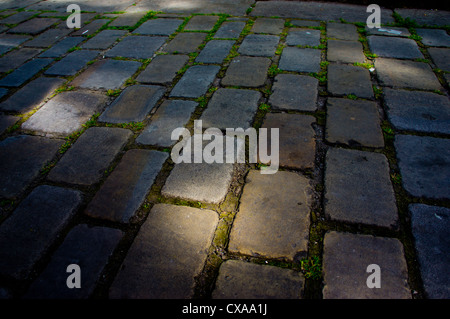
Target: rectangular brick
[(195, 81), (27, 235), (85, 162), (85, 246), (297, 145), (136, 47), (273, 217), (161, 263), (125, 189), (65, 113), (24, 73), (106, 74), (346, 258), (170, 115), (354, 183), (21, 159), (72, 63), (133, 104), (163, 69), (231, 108), (31, 95), (247, 71)]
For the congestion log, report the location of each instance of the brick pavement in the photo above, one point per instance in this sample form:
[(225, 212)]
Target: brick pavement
[(86, 174)]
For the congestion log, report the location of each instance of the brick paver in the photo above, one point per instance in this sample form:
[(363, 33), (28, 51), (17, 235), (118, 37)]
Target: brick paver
[(363, 150), (346, 259), (273, 218), (242, 280), (160, 264), (65, 113)]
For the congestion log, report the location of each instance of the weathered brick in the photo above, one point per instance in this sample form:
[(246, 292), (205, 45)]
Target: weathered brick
[(21, 159), (346, 258), (244, 280), (85, 246), (125, 189), (354, 183), (273, 217), (133, 104), (65, 113), (161, 262), (85, 162), (32, 228)]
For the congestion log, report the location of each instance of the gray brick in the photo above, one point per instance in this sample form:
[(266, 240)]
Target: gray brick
[(85, 162), (418, 111), (200, 182), (125, 189), (406, 74), (10, 41), (305, 23), (34, 26), (259, 45), (345, 51), (32, 228), (266, 25), (21, 159), (273, 217), (24, 73), (430, 228), (65, 113), (441, 57), (349, 79), (104, 39), (300, 60), (424, 164), (62, 47), (169, 116), (247, 71), (297, 145), (160, 263), (391, 47), (185, 42), (345, 260), (87, 247), (133, 104), (342, 31), (204, 23), (18, 17), (244, 280), (230, 30), (231, 108), (196, 81), (72, 63), (163, 69), (31, 95), (355, 123), (215, 51), (7, 121), (48, 38), (159, 27), (298, 36), (106, 74), (294, 92), (354, 183), (136, 47), (127, 19), (434, 37), (16, 58)]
